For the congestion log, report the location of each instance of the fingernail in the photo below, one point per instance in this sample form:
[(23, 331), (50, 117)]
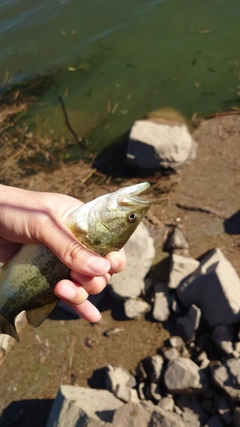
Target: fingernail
[(66, 292), (98, 265)]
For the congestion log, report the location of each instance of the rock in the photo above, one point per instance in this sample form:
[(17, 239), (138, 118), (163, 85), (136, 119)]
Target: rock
[(154, 392), (140, 251), (157, 146), (150, 369), (224, 411), (162, 303), (80, 406), (169, 353), (118, 376), (223, 337), (183, 376), (218, 286), (178, 343), (126, 394), (181, 267), (131, 415), (214, 421), (166, 403), (190, 420), (160, 417), (191, 405), (175, 240), (202, 360), (227, 377), (187, 325), (135, 308)]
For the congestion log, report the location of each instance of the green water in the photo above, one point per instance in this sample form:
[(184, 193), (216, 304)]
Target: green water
[(114, 61)]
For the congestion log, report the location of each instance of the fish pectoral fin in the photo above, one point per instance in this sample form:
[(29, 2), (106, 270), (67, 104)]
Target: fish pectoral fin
[(37, 316), (8, 328)]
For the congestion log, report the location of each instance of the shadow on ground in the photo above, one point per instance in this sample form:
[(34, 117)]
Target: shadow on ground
[(22, 413)]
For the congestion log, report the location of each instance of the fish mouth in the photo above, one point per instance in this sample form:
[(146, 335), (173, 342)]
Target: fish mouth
[(131, 196)]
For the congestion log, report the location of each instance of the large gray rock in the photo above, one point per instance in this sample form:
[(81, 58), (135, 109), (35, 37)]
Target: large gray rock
[(227, 377), (215, 288), (159, 146), (80, 406), (183, 376), (140, 251), (181, 267)]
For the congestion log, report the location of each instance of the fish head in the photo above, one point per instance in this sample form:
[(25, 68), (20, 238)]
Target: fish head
[(115, 216)]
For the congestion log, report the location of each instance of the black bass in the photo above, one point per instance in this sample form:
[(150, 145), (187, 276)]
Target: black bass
[(27, 280)]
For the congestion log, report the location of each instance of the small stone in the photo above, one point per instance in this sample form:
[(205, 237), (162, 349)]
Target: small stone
[(162, 303), (223, 337), (190, 420), (187, 325), (181, 267), (123, 393), (150, 369), (227, 377), (166, 403), (141, 391), (134, 308), (154, 392), (169, 353), (118, 376), (183, 376), (202, 360), (178, 343)]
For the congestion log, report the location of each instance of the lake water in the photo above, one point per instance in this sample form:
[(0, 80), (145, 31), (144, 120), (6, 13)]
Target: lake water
[(117, 60)]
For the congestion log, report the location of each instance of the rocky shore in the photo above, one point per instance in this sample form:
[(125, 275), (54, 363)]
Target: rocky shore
[(183, 276)]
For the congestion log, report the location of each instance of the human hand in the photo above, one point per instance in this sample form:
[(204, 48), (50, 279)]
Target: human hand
[(37, 217)]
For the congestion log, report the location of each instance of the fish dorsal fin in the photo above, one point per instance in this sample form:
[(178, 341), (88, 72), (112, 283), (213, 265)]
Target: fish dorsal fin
[(8, 328), (37, 316)]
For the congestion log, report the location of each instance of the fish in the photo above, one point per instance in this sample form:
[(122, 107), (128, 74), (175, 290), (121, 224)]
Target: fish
[(102, 225)]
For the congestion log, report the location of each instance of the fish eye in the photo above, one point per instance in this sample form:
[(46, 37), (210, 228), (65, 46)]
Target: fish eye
[(132, 217)]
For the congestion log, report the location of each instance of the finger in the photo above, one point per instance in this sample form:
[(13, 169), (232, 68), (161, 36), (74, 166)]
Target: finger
[(93, 285), (87, 311), (117, 260), (67, 248), (70, 292)]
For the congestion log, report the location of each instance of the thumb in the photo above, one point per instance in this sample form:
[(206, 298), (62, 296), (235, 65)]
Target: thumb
[(60, 240)]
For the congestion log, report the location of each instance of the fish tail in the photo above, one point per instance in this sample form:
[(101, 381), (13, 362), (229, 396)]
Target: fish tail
[(8, 328)]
